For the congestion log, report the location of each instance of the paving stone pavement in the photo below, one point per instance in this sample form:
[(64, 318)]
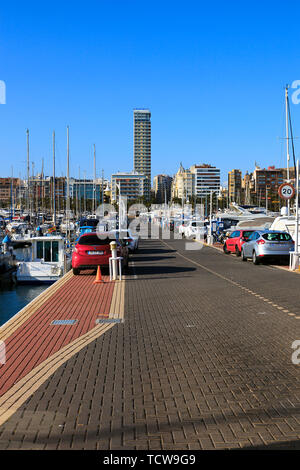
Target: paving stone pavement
[(199, 363)]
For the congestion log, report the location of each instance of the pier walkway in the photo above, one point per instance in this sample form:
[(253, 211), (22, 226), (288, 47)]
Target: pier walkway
[(202, 359), (42, 336)]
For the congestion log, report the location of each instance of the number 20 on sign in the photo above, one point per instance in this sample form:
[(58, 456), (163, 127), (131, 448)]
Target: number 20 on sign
[(286, 191)]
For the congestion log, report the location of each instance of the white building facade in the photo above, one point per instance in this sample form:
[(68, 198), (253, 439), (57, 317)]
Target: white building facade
[(131, 185), (206, 180)]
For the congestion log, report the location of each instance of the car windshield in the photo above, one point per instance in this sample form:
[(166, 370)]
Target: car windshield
[(252, 236), (94, 240), (88, 222), (277, 237), (247, 234)]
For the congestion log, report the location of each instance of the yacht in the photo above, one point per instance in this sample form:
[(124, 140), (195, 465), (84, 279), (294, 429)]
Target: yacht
[(286, 223), (41, 259)]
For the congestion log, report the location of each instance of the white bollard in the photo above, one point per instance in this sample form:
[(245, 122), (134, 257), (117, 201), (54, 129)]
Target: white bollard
[(113, 247), (210, 240)]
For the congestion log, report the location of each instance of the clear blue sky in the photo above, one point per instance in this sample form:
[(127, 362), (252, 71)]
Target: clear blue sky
[(212, 74)]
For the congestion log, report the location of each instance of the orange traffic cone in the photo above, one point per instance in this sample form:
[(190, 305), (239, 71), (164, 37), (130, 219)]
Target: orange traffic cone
[(98, 279)]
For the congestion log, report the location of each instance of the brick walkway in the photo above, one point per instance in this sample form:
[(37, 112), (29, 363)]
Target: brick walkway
[(35, 338), (203, 361)]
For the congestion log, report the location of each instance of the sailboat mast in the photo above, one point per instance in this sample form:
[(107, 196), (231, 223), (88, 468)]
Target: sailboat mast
[(84, 196), (28, 176), (34, 187), (12, 193), (42, 189), (94, 188), (287, 133), (102, 193), (54, 207), (20, 195), (68, 185), (79, 194)]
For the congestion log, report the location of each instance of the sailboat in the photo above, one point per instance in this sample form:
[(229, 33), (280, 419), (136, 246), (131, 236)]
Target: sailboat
[(286, 221), (41, 258)]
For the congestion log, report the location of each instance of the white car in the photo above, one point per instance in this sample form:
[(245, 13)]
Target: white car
[(195, 228), (182, 226)]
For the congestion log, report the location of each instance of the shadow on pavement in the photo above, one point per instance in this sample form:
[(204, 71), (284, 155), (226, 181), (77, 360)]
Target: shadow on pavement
[(283, 445), (151, 258), (148, 270), (150, 251), (92, 272)]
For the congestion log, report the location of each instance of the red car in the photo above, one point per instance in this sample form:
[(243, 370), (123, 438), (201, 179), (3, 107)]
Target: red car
[(93, 250), (233, 244)]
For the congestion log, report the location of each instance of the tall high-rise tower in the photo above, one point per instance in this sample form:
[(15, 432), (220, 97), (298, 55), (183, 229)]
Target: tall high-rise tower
[(142, 146)]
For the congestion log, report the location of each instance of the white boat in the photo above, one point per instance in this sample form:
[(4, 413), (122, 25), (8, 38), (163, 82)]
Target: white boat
[(65, 226), (41, 259), (17, 226), (286, 224)]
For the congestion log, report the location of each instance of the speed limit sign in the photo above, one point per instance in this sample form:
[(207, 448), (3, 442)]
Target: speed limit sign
[(286, 191)]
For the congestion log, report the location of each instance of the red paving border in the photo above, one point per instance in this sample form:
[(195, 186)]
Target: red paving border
[(37, 339)]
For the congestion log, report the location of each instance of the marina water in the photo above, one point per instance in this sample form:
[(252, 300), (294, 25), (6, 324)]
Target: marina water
[(14, 299)]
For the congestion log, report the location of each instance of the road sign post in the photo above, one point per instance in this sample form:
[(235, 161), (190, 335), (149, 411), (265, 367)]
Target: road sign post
[(294, 256), (286, 191)]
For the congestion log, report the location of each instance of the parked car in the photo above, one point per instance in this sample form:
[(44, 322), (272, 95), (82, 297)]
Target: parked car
[(195, 227), (234, 242), (267, 244), (93, 250)]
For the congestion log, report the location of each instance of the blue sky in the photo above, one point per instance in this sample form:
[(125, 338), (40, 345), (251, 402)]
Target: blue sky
[(212, 74)]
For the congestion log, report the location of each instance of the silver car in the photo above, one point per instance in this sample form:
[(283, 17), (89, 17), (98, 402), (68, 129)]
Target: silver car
[(267, 244)]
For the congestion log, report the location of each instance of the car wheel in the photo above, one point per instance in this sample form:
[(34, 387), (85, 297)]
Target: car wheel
[(76, 271), (254, 258), (225, 249), (243, 256), (237, 251)]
